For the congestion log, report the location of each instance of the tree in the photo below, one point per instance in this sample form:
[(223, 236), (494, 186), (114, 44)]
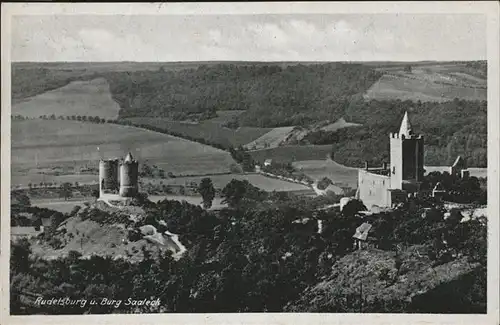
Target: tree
[(353, 207), (95, 193), (20, 256), (235, 191), (324, 183), (66, 191), (408, 68), (207, 191)]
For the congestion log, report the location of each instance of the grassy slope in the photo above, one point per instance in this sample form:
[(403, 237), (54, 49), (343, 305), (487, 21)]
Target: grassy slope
[(66, 143), (91, 238), (90, 98), (271, 139), (430, 83), (209, 130), (317, 169)]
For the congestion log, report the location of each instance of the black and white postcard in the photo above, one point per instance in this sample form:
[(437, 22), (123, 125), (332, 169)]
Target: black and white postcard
[(250, 163)]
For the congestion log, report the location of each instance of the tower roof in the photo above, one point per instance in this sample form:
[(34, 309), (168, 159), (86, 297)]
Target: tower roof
[(129, 158), (405, 128)]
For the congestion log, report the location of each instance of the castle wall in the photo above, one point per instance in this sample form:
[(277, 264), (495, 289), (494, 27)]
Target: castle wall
[(374, 189), (396, 167), (129, 173), (413, 159), (108, 176), (407, 159)]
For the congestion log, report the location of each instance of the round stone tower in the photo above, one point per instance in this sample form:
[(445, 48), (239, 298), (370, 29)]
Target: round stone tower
[(129, 172), (108, 176)]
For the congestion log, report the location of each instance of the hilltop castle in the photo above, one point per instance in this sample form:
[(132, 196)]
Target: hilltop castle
[(118, 179), (391, 184)]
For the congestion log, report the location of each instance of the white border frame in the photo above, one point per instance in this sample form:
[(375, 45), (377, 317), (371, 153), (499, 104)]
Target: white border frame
[(489, 8)]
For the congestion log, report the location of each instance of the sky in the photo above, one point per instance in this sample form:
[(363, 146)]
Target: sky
[(280, 37)]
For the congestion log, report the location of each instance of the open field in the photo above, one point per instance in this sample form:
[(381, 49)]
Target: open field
[(263, 182), (339, 124), (49, 144), (90, 98), (271, 139), (59, 204), (400, 87), (433, 82), (339, 174), (210, 131), (288, 154), (24, 177)]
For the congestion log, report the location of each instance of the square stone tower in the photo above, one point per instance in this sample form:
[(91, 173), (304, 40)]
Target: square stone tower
[(407, 158)]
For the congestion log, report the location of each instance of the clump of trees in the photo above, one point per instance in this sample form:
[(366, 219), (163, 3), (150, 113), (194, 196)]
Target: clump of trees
[(458, 189)]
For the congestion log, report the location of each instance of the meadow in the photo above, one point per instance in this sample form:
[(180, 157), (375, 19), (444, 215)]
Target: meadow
[(220, 181), (438, 83), (210, 131), (47, 144), (339, 124), (90, 98), (339, 174), (271, 139)]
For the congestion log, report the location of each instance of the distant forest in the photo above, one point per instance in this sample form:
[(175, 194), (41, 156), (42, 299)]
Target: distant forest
[(277, 95), (271, 95)]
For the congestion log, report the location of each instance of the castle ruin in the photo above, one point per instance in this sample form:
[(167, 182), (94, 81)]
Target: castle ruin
[(118, 179), (391, 184)]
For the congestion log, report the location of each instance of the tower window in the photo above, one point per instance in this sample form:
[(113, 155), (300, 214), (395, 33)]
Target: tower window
[(394, 169)]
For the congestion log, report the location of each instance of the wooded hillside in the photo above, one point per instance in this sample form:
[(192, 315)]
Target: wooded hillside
[(271, 95)]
